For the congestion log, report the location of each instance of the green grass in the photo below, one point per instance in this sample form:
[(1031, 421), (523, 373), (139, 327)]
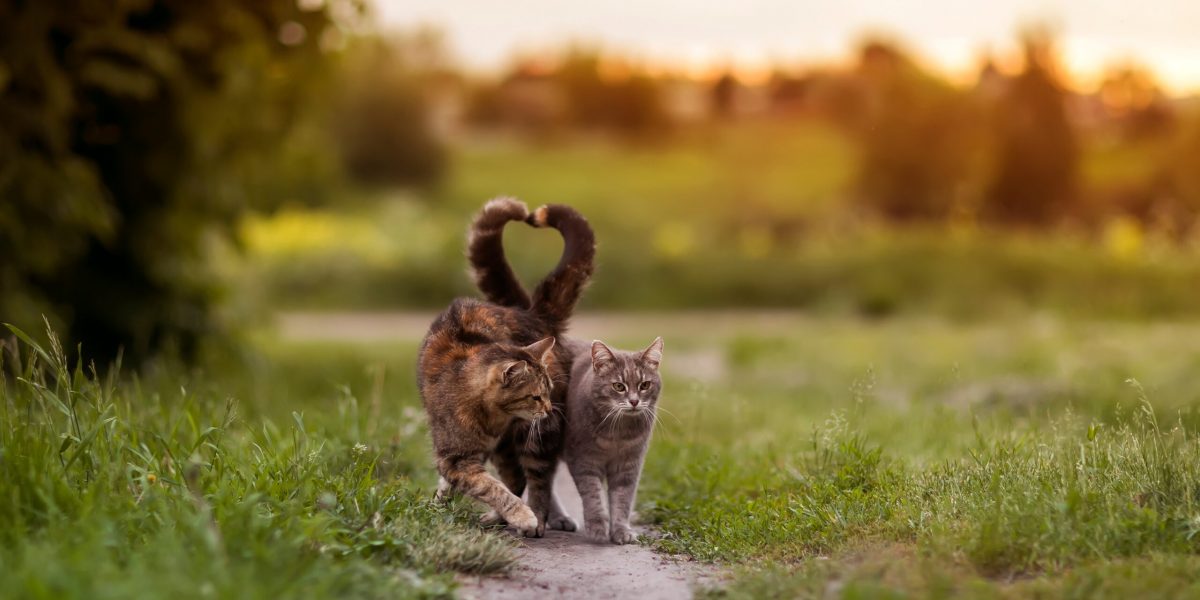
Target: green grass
[(752, 215), (1029, 457), (912, 458), (168, 485)]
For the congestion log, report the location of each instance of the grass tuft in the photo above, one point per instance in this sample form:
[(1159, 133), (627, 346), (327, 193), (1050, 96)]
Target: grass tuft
[(125, 487)]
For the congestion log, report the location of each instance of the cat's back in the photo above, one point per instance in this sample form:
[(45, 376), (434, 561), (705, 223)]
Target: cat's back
[(465, 328)]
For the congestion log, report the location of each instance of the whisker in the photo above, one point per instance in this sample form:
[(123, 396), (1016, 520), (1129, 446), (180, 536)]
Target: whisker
[(611, 412), (669, 414), (657, 423)]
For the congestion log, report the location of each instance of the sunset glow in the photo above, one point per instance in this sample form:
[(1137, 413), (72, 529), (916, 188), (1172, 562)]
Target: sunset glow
[(702, 38)]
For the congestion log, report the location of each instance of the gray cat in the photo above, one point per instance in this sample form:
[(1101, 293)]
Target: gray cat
[(610, 415)]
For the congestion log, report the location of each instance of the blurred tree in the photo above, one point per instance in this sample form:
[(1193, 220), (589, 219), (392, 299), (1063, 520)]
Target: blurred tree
[(916, 138), (724, 96), (384, 127), (132, 135), (1037, 156), (609, 94), (1133, 100), (1179, 201), (583, 91)]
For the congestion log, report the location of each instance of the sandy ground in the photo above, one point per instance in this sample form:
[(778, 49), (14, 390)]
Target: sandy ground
[(567, 565)]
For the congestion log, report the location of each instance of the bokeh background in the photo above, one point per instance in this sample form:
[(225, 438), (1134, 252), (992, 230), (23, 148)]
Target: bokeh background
[(174, 173), (926, 272)]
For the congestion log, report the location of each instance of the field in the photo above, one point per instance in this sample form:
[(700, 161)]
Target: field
[(910, 457), (857, 410), (753, 215)]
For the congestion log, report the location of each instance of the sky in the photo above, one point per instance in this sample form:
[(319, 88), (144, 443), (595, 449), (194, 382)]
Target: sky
[(699, 37)]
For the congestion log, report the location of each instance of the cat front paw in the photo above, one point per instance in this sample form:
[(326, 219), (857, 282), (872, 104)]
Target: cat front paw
[(525, 522), (597, 531), (444, 491), (491, 519), (623, 535), (562, 523)]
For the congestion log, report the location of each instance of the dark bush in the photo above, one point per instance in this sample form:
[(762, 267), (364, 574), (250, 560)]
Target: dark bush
[(133, 135), (1037, 156), (918, 138), (383, 123)]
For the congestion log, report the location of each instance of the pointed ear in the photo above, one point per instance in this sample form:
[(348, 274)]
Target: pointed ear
[(602, 357), (541, 349), (652, 356), (513, 370)]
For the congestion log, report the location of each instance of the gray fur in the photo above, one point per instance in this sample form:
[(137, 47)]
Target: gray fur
[(608, 431)]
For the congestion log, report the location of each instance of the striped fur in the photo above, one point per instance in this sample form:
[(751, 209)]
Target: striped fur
[(485, 251), (485, 372), (525, 456), (555, 297)]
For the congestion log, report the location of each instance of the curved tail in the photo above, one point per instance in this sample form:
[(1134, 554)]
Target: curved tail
[(555, 297), (485, 251)]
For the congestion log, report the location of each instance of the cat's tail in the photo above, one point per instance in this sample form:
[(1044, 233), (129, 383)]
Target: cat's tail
[(485, 251), (555, 297)]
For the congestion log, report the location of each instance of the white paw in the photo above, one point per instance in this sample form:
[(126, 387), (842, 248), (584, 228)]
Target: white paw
[(491, 518), (524, 521), (562, 523), (623, 535), (444, 491)]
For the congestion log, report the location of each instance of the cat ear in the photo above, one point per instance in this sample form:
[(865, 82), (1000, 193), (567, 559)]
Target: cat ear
[(602, 356), (541, 349), (652, 356), (513, 370)]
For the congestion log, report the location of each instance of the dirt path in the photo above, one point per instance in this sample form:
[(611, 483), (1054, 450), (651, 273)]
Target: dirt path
[(567, 565)]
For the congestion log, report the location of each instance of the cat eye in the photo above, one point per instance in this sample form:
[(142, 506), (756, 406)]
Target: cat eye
[(620, 387), (536, 398), (645, 385)]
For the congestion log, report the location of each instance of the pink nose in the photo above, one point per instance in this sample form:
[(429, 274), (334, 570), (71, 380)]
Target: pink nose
[(633, 402)]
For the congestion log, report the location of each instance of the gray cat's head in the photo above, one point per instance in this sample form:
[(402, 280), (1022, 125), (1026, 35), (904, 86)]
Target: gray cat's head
[(626, 380)]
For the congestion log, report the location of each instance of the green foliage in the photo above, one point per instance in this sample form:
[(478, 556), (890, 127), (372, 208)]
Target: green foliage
[(584, 92), (1037, 154), (1010, 459), (919, 140), (145, 488), (382, 119), (132, 136), (734, 222)]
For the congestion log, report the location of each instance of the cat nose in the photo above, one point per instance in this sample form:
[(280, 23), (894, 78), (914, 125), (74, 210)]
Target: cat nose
[(633, 402)]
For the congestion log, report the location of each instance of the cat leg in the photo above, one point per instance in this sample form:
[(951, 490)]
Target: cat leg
[(468, 476), (622, 489), (559, 519), (591, 491), (513, 476), (539, 472)]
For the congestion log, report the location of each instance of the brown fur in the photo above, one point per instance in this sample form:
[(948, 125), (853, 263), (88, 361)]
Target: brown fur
[(483, 368), (554, 298), (525, 453)]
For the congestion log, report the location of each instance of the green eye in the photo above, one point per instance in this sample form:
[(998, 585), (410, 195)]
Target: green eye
[(620, 387), (645, 385)]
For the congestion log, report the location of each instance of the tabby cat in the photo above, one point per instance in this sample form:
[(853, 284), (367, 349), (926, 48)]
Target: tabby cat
[(610, 414), (492, 379)]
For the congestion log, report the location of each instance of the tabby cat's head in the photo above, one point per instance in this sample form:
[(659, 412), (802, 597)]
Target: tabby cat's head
[(522, 380), (627, 381)]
